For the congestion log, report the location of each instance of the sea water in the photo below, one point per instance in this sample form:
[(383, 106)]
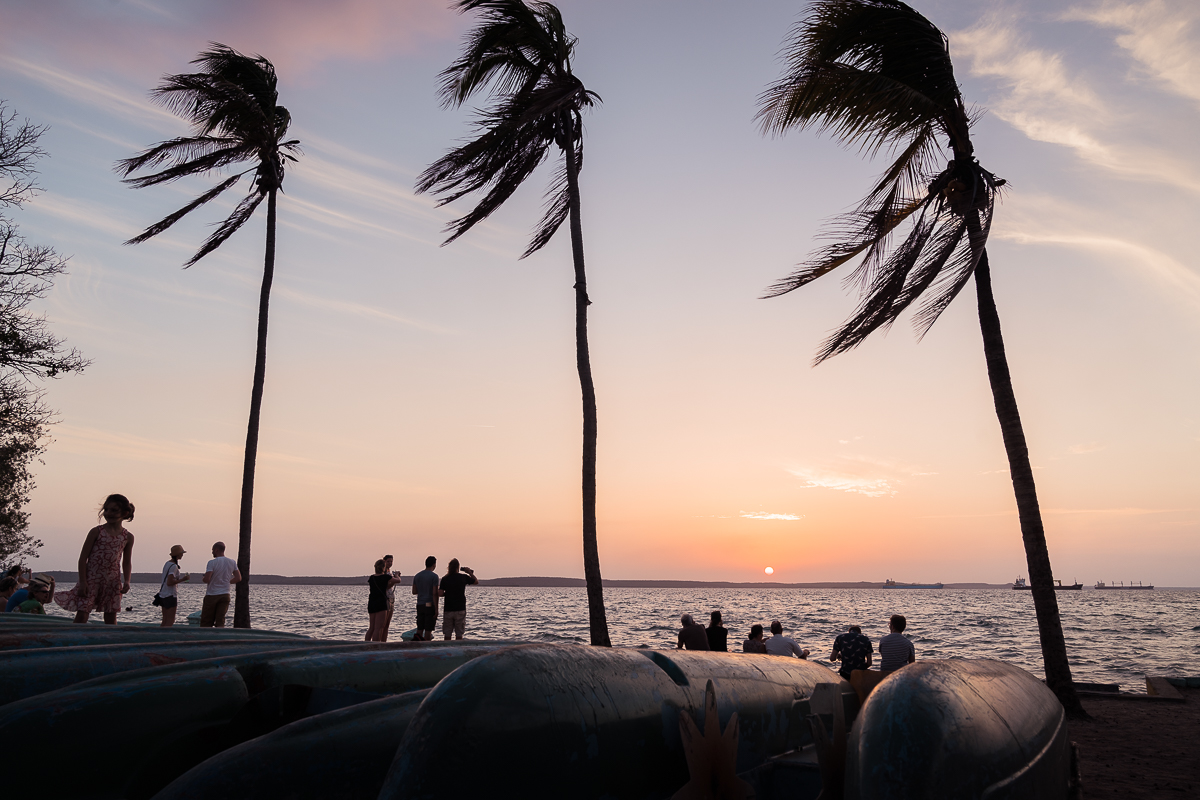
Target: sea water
[(1112, 636)]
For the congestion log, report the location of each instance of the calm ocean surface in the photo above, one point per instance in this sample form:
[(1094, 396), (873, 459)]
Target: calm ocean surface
[(1112, 636)]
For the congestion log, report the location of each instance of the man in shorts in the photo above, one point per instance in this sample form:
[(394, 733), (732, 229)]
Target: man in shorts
[(220, 573), (425, 587), (454, 608)]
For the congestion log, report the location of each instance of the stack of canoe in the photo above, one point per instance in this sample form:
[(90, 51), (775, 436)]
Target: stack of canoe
[(136, 712)]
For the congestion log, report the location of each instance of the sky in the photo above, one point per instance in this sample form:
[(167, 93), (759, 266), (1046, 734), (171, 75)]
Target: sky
[(423, 399)]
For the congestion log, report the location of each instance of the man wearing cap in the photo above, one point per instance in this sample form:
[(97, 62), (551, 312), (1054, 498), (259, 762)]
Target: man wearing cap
[(168, 596), (220, 573), (37, 594), (853, 650)]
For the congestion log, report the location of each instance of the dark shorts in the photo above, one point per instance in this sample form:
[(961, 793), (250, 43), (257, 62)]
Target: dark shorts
[(170, 601), (427, 617)]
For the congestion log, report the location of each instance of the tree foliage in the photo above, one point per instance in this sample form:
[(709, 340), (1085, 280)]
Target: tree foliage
[(877, 75), (28, 350)]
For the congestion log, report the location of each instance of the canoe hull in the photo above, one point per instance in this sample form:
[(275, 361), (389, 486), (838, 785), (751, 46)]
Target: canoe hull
[(603, 722), (959, 728)]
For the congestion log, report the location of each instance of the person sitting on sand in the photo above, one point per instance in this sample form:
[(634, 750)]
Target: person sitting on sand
[(853, 650), (895, 649), (717, 635), (780, 645), (691, 635), (755, 643)]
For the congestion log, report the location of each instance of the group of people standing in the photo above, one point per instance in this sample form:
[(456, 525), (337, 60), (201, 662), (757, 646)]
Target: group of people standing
[(428, 588), (852, 648), (105, 567)]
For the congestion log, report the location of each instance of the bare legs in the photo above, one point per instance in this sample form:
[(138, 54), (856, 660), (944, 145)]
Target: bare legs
[(375, 630)]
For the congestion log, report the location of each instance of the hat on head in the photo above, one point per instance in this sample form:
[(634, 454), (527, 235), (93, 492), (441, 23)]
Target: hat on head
[(177, 550), (41, 581)]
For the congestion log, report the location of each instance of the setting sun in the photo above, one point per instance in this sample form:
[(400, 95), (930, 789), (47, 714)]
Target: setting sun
[(769, 570)]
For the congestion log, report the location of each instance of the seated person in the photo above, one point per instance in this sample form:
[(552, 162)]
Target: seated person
[(8, 587), (691, 635), (717, 633), (41, 590), (895, 649), (755, 643), (853, 650), (780, 645)]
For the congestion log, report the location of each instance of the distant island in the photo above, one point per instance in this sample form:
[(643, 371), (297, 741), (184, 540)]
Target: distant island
[(64, 576)]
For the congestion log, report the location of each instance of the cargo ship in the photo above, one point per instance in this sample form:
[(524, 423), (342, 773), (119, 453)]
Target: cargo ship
[(1103, 585), (891, 584), (1020, 583)]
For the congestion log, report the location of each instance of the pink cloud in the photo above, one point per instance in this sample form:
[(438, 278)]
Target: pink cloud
[(133, 37)]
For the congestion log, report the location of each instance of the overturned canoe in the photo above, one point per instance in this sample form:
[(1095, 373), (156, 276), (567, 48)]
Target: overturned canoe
[(26, 637), (331, 756), (173, 717), (28, 672), (959, 728), (599, 722)]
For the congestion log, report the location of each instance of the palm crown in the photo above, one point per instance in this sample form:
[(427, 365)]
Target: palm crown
[(232, 107), (877, 74), (523, 52)]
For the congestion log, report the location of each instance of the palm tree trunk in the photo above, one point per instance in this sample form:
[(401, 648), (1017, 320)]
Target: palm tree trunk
[(1037, 556), (597, 619), (241, 606)]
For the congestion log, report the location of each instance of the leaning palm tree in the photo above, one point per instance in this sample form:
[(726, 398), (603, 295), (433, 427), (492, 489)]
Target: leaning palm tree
[(876, 74), (523, 52), (232, 105)]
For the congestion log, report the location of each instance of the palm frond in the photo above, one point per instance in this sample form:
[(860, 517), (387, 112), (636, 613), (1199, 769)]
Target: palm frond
[(229, 227), (558, 205), (197, 166), (184, 148), (169, 220)]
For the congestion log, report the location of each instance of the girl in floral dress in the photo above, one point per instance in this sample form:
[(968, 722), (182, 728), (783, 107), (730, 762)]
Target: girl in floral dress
[(105, 564)]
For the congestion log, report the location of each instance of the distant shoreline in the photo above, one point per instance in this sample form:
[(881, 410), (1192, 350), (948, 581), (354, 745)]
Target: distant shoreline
[(64, 576), (540, 582)]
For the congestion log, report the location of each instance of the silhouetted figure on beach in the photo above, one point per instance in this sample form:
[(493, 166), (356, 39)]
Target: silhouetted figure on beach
[(691, 635), (717, 635), (895, 649), (853, 650), (219, 575), (105, 564), (453, 589), (425, 587), (377, 601), (168, 596), (755, 643), (391, 595), (780, 645)]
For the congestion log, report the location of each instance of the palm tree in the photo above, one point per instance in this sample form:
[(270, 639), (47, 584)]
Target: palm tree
[(523, 52), (232, 105), (876, 74)]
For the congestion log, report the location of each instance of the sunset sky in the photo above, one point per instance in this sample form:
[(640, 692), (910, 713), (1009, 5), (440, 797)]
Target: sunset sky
[(423, 399)]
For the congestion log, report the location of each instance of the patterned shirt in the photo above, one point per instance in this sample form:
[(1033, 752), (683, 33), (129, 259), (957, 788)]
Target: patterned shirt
[(854, 649)]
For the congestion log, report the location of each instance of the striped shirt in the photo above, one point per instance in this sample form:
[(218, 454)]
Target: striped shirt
[(895, 650)]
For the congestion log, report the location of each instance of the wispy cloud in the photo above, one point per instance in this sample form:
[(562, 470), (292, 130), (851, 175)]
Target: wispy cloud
[(767, 515), (1083, 449), (1160, 36), (1048, 102), (1116, 512), (358, 310), (871, 476)]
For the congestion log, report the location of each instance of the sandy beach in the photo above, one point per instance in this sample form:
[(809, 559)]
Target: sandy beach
[(1139, 748)]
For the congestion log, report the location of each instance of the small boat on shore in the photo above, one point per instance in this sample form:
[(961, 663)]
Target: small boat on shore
[(891, 584), (1020, 583), (1122, 586)]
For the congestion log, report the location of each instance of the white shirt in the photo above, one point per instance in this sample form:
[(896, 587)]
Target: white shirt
[(784, 646), (222, 569), (167, 590)]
